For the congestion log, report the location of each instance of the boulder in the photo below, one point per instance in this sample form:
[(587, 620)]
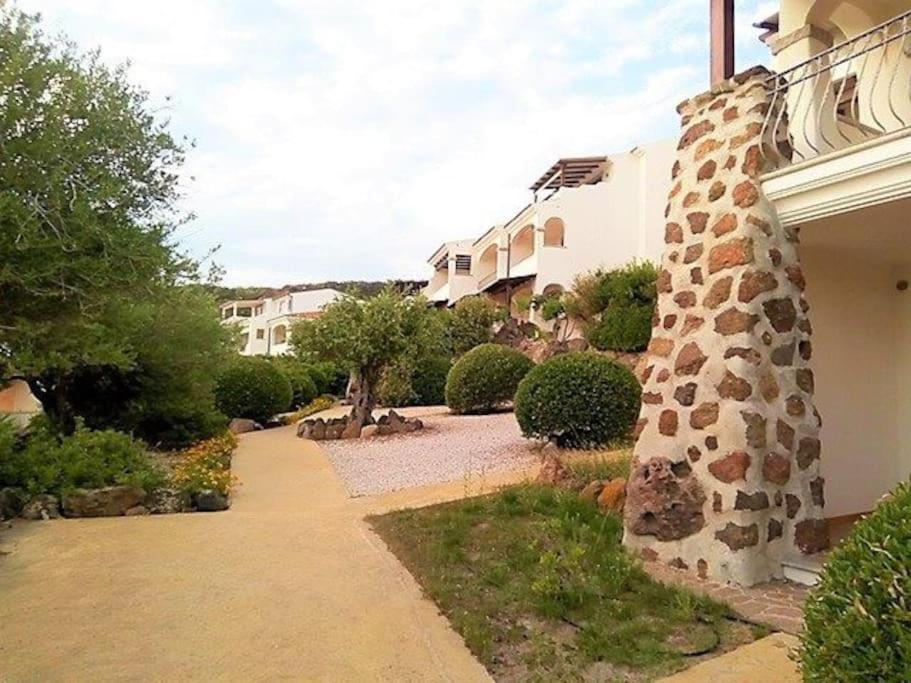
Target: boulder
[(168, 501), (369, 431), (664, 500), (110, 501), (241, 425), (136, 511), (592, 490), (43, 506), (11, 502), (334, 430), (613, 496), (352, 430), (209, 500)]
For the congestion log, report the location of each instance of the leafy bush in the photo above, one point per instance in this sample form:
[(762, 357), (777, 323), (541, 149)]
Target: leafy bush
[(252, 388), (429, 380), (207, 465), (624, 328), (330, 378), (484, 378), (46, 463), (300, 376), (415, 383), (858, 618), (615, 306), (471, 323), (578, 400)]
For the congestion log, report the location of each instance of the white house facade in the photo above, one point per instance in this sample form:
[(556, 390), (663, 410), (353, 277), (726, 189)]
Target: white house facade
[(265, 323)]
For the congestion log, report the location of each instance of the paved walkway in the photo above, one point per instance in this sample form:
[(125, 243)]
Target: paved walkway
[(288, 584), (768, 659)]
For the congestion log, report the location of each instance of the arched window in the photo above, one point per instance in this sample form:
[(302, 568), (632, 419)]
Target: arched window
[(553, 232), (280, 335), (523, 244)]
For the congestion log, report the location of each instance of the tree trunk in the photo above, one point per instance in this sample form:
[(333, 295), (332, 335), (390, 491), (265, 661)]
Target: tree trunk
[(362, 398), (51, 392)]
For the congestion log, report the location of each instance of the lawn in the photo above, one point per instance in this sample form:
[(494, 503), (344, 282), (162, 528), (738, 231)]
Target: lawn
[(537, 583)]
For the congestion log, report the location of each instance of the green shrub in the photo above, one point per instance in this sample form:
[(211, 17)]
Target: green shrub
[(615, 306), (252, 388), (301, 377), (858, 618), (394, 389), (331, 379), (578, 400), (46, 463), (410, 383), (624, 328), (429, 380), (471, 323), (484, 378)]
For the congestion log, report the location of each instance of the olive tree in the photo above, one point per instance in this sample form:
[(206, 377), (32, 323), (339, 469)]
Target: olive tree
[(366, 336)]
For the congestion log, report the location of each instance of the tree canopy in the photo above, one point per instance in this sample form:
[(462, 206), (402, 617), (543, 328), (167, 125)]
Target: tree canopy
[(97, 301), (367, 335)]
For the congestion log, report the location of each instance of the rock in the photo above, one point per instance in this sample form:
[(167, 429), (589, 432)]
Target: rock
[(136, 511), (731, 467), (737, 537), (812, 536), (318, 430), (613, 496), (11, 502), (664, 500), (168, 501), (334, 430), (369, 431), (209, 500), (418, 423), (554, 472), (241, 425), (110, 501), (352, 430), (592, 490), (42, 506)]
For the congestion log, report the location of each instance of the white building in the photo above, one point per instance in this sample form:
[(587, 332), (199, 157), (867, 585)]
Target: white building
[(586, 213), (265, 323)]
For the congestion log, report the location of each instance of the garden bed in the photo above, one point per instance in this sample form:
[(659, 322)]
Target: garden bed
[(537, 583), (449, 448)]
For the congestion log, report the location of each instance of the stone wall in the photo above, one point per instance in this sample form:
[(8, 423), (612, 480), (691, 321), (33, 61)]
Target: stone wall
[(725, 478)]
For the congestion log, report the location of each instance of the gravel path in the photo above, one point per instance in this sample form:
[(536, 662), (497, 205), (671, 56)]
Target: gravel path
[(449, 448)]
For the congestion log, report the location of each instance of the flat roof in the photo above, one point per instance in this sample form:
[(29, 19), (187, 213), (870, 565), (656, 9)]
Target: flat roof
[(572, 172)]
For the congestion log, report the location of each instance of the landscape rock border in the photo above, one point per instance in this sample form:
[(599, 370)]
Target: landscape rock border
[(319, 429)]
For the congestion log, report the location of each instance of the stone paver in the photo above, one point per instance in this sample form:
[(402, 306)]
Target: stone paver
[(289, 584), (767, 659), (778, 604)]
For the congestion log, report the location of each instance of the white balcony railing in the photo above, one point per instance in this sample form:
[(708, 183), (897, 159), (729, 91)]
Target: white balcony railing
[(855, 91)]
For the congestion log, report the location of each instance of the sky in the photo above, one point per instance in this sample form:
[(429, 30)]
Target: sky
[(346, 139)]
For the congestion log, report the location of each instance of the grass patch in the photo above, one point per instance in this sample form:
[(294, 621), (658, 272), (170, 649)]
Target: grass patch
[(537, 583)]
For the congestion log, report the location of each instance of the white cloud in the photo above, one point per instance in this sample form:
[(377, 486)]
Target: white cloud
[(346, 139)]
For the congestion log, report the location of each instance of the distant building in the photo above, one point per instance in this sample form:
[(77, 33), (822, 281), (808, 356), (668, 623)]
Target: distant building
[(265, 323), (18, 403), (586, 213)]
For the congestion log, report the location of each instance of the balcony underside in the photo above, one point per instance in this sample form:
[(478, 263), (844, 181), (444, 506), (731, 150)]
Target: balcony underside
[(862, 176)]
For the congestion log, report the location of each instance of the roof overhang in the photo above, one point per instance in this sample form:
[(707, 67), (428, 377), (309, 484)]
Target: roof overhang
[(572, 172)]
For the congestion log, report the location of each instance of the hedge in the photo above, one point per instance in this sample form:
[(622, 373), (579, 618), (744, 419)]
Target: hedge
[(485, 378)]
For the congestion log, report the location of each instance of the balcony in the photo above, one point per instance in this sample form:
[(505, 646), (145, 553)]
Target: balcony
[(852, 93)]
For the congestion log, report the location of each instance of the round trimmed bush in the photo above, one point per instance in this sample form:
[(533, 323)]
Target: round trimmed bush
[(485, 378), (578, 400), (857, 623), (252, 388)]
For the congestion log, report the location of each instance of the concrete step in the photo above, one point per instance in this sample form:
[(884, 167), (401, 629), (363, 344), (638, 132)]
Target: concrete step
[(804, 569)]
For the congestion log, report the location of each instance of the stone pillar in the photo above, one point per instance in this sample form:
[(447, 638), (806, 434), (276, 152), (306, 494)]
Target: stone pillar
[(725, 478)]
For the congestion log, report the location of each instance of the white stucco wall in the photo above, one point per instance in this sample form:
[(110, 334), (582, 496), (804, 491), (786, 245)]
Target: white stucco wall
[(861, 352)]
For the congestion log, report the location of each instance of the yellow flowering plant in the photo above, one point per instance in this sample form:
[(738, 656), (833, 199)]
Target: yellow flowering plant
[(207, 465)]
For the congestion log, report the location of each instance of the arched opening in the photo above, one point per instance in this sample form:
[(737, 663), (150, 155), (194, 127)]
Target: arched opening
[(554, 232), (552, 291), (280, 334), (486, 266), (523, 244)]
